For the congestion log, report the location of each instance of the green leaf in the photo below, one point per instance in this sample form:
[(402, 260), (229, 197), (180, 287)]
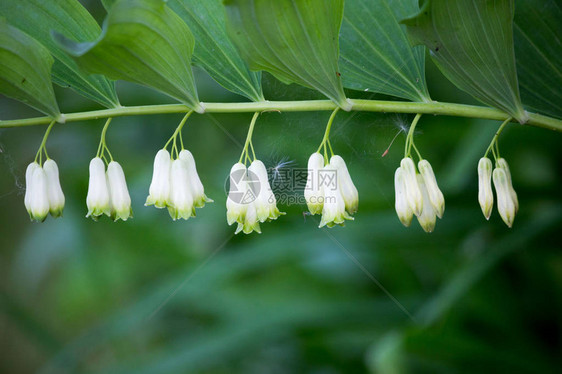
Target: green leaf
[(39, 18), (214, 51), (538, 48), (376, 55), (25, 70), (145, 42), (471, 41), (108, 3), (296, 41)]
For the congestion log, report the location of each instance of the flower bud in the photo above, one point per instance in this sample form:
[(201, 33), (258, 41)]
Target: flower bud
[(502, 163), (313, 192), (347, 188), (485, 195), (159, 191), (506, 206), (38, 195), (413, 192), (28, 184), (265, 203), (197, 189), (436, 198), (98, 200), (180, 204), (401, 205), (237, 203), (333, 212), (118, 192), (54, 190), (428, 216)]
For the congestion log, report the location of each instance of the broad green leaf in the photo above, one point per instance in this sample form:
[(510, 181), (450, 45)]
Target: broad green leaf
[(471, 41), (375, 54), (145, 42), (108, 3), (297, 41), (25, 70), (538, 48), (39, 18), (213, 49)]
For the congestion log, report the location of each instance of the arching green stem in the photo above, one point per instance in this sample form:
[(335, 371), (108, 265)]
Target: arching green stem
[(244, 156), (494, 143), (42, 147)]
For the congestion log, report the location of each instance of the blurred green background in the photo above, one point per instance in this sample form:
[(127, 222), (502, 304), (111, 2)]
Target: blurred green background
[(154, 296)]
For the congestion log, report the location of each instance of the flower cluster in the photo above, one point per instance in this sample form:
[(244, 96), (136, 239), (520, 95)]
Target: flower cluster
[(43, 193), (417, 194), (330, 191), (251, 200), (107, 191), (176, 185), (508, 204)]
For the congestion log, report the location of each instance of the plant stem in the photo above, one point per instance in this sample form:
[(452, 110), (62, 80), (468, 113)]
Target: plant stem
[(249, 138), (410, 136), (449, 109), (494, 141), (328, 128), (43, 142)]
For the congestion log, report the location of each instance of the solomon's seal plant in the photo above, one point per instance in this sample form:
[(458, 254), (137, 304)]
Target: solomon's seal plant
[(309, 43)]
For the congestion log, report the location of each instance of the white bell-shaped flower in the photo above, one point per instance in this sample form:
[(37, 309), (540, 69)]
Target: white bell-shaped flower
[(118, 192), (239, 195), (313, 192), (251, 221), (401, 205), (181, 200), (428, 216), (485, 194), (333, 211), (159, 191), (38, 195), (347, 188), (506, 206), (265, 203), (436, 198), (28, 184), (98, 200), (413, 192), (54, 190), (197, 189), (502, 163)]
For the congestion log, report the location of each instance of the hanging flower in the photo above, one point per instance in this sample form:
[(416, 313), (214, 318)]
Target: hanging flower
[(485, 194), (333, 211), (54, 190), (506, 204), (159, 191), (180, 204), (197, 189), (401, 205), (235, 209), (265, 203), (98, 200), (118, 192), (36, 193), (436, 198), (502, 163), (428, 215), (413, 192), (28, 184), (313, 192), (345, 184)]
